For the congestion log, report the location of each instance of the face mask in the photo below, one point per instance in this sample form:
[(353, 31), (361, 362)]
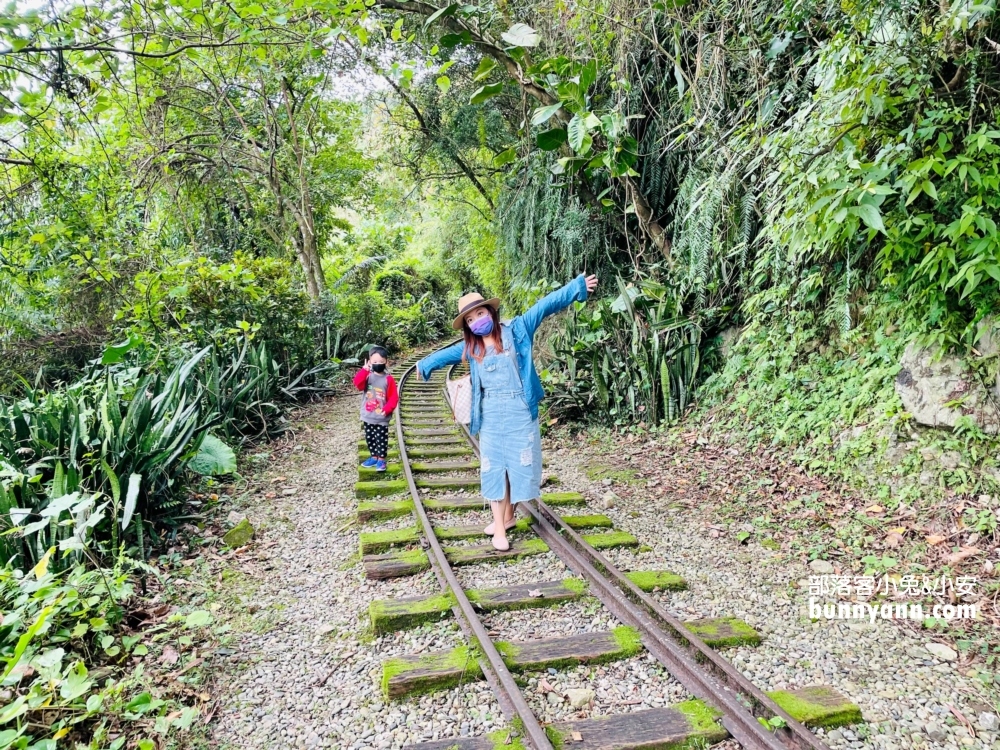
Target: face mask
[(378, 368), (482, 326)]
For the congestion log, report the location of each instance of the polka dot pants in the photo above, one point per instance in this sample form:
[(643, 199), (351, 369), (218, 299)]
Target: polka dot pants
[(377, 437)]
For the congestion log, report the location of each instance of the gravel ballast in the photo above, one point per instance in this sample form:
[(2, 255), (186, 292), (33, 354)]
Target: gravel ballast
[(305, 674)]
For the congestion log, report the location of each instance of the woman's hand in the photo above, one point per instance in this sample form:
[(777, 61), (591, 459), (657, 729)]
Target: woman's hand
[(591, 283)]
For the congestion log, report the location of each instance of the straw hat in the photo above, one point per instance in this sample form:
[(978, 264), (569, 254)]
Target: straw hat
[(470, 302)]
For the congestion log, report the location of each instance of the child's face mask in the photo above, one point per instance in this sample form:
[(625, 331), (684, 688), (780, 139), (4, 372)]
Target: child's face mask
[(380, 367), (482, 326)]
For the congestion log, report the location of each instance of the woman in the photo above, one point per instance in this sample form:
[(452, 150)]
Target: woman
[(505, 395)]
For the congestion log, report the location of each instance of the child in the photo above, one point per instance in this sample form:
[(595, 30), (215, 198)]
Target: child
[(377, 406)]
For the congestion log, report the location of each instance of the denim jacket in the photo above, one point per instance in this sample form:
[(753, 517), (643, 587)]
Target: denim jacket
[(523, 329)]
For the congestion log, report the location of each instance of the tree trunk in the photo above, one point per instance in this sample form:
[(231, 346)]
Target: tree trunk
[(308, 249)]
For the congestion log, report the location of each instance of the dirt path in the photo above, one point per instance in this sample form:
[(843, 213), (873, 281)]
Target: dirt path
[(305, 674)]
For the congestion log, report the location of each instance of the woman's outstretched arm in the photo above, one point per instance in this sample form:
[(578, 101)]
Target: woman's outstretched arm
[(575, 291), (450, 356)]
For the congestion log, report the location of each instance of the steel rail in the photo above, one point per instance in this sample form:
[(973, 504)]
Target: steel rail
[(739, 700), (512, 702)]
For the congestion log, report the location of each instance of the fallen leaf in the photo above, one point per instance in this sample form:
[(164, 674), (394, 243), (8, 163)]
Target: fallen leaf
[(545, 687), (893, 540), (935, 539), (962, 554), (577, 737), (169, 655), (535, 593), (874, 509)]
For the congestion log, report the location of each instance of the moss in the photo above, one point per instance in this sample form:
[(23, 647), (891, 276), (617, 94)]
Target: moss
[(557, 738), (370, 511), (628, 640), (627, 644), (704, 726), (375, 489), (650, 580), (478, 596), (467, 555), (373, 542), (506, 739), (596, 471), (426, 468), (593, 521), (724, 632), (446, 670), (770, 544), (389, 615), (448, 483), (818, 707), (610, 540), (372, 475), (412, 556), (557, 499)]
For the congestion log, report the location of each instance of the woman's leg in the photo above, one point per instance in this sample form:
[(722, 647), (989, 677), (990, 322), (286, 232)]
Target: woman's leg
[(503, 512)]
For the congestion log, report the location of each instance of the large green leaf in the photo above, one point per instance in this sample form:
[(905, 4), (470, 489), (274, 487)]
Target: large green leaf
[(550, 140), (579, 137), (486, 92), (213, 458)]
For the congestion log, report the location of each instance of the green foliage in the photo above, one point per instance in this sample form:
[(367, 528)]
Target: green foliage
[(63, 635), (93, 435), (635, 358)]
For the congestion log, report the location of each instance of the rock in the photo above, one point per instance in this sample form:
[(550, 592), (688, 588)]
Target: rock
[(606, 482), (609, 500), (951, 459), (554, 698), (239, 535), (926, 384), (942, 652), (234, 518), (835, 735), (935, 732), (821, 567), (579, 697), (989, 722), (728, 339)]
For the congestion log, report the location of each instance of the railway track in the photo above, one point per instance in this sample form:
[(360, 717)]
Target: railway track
[(433, 456)]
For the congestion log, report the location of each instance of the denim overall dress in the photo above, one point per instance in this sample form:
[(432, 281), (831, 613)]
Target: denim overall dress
[(510, 443)]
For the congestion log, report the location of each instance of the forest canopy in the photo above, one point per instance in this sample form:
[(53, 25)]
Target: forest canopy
[(209, 209)]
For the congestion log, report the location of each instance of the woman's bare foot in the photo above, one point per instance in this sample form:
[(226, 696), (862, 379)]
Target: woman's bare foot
[(500, 542)]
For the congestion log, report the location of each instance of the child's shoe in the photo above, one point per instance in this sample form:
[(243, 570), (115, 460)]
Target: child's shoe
[(370, 462), (380, 465)]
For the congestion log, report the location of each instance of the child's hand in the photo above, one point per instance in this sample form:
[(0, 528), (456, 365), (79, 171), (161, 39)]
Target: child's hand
[(368, 366), (591, 283)]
